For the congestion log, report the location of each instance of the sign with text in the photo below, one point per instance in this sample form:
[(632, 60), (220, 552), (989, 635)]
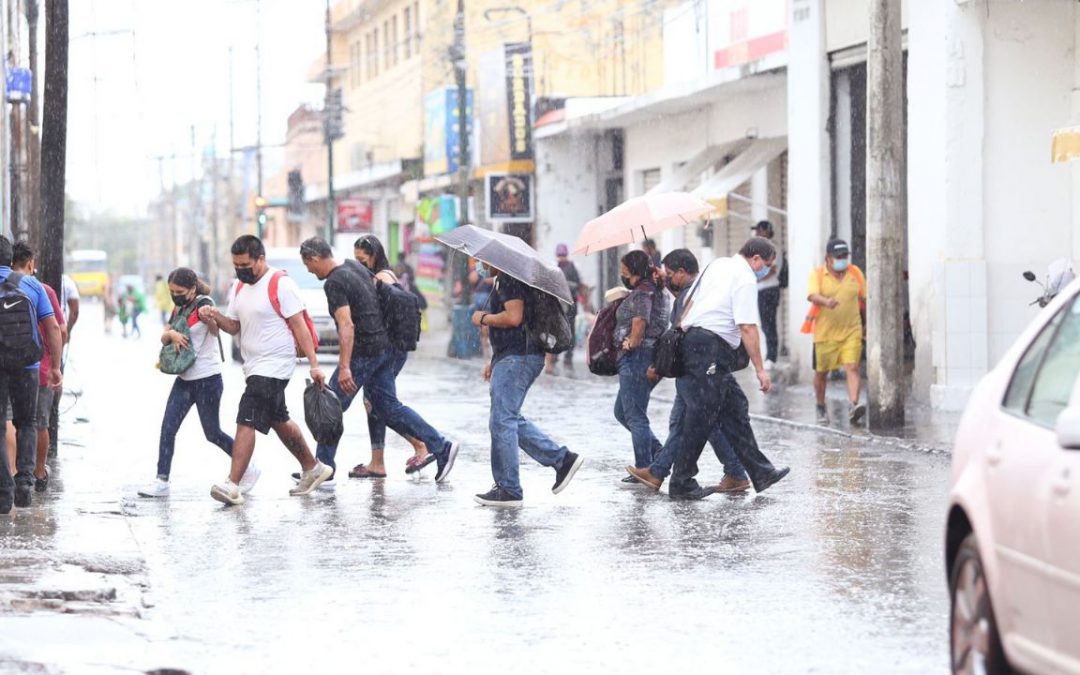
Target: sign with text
[(509, 197), (354, 216), (519, 98), (743, 31)]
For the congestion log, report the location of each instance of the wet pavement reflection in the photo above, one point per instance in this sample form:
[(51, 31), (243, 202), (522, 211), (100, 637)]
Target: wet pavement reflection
[(835, 570)]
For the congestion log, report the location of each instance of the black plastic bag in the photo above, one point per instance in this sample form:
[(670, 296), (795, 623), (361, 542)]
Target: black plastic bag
[(322, 412)]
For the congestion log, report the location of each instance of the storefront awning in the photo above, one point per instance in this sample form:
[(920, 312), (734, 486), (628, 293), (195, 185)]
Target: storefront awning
[(755, 157), (687, 174)]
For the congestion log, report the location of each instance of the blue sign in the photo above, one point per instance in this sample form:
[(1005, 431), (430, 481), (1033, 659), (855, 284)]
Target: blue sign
[(18, 84), (442, 132)]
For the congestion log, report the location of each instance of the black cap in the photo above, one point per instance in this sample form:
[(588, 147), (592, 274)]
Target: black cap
[(837, 248), (763, 226)]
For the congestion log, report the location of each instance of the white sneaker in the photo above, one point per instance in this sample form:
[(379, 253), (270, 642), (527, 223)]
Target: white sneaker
[(251, 476), (228, 493), (309, 480), (159, 488)]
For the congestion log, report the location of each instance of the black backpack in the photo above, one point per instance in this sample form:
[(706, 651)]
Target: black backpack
[(548, 327), (401, 315), (19, 347), (603, 353)]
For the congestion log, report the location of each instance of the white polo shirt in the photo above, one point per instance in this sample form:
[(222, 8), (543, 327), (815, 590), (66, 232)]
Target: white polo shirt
[(266, 342), (726, 298)]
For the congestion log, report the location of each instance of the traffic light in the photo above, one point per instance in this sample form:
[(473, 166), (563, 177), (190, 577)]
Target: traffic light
[(333, 116), (260, 216)]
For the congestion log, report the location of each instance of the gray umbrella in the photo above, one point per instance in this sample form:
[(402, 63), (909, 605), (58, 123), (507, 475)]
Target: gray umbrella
[(511, 255)]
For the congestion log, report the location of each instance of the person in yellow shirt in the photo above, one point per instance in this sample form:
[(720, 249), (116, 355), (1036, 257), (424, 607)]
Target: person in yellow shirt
[(837, 291), (162, 298)]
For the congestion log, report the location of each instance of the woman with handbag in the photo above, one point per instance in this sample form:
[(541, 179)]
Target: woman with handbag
[(640, 319), (190, 349)]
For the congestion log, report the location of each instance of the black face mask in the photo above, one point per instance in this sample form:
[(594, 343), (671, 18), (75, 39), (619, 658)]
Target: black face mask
[(180, 300), (246, 275), (626, 282)]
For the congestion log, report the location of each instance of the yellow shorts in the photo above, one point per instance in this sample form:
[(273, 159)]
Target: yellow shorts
[(828, 356)]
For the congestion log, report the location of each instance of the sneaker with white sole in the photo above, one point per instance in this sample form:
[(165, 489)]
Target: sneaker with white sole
[(228, 493), (571, 463), (856, 412), (159, 488), (497, 496), (310, 480), (251, 476), (447, 465), (327, 485)]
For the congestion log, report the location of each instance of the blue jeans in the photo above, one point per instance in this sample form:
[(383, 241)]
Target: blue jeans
[(375, 375), (632, 404), (661, 464), (376, 427), (205, 395), (511, 377)]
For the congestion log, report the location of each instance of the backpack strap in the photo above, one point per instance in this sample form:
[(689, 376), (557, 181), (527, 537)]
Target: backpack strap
[(14, 279), (275, 301)]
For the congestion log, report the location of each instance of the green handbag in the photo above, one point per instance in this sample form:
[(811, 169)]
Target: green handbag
[(171, 361)]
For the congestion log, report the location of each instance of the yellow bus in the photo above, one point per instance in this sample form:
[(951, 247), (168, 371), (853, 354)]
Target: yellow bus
[(89, 269)]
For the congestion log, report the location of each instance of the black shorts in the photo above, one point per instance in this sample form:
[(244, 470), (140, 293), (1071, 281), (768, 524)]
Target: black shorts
[(263, 403)]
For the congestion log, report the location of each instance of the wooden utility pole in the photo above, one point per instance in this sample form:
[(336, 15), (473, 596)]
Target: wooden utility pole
[(885, 225), (54, 158), (33, 136)]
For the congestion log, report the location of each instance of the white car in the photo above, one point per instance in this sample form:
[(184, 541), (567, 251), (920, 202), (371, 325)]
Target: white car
[(1012, 542), (311, 292)]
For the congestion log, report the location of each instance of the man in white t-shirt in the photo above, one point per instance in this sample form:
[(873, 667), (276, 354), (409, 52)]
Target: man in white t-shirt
[(69, 302), (721, 314), (269, 337)]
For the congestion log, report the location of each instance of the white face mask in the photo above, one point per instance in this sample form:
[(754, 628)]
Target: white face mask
[(840, 264)]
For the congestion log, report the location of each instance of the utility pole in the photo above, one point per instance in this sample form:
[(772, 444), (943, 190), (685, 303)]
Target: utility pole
[(33, 129), (54, 157), (258, 99), (329, 125), (18, 192), (460, 65), (885, 216)]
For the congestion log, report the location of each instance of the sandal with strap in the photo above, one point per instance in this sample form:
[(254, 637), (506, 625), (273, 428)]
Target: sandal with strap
[(361, 471), (414, 463)]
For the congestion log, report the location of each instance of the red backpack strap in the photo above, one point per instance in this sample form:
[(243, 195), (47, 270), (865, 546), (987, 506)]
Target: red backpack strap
[(275, 301)]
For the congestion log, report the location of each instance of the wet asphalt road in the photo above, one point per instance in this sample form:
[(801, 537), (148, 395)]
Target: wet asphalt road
[(835, 570)]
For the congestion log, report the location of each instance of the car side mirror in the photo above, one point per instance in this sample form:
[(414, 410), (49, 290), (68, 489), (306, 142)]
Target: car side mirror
[(1068, 428)]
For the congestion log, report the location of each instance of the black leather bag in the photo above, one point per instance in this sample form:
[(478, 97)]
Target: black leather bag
[(667, 359)]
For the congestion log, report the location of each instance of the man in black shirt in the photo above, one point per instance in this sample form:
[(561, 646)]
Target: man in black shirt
[(515, 365), (364, 360)]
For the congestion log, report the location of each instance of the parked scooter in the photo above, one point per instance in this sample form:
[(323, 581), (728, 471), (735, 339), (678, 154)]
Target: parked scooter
[(1059, 274)]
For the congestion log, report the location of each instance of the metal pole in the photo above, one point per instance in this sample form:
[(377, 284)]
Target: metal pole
[(328, 124), (258, 98), (884, 216), (460, 66)]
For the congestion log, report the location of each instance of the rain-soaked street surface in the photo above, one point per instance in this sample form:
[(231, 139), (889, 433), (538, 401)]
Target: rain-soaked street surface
[(837, 569)]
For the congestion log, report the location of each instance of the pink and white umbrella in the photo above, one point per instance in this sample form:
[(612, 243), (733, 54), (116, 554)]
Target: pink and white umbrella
[(639, 218)]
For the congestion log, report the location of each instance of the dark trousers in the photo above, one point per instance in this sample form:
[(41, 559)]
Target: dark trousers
[(376, 427), (712, 397), (205, 395), (768, 302), (20, 386)]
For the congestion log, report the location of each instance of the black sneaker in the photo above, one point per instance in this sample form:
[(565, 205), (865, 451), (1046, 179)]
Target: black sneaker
[(7, 500), (446, 463), (497, 496), (693, 494), (23, 492), (570, 464), (630, 480)]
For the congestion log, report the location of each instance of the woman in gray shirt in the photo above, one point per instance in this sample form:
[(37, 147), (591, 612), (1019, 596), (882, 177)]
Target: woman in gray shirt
[(640, 319)]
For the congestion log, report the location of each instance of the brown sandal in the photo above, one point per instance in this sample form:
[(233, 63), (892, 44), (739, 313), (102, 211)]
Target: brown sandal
[(361, 471)]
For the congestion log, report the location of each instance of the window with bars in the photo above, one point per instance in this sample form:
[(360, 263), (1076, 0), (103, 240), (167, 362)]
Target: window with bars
[(388, 47), (406, 21)]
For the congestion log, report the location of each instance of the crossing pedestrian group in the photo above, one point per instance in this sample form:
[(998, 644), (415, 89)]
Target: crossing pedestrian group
[(710, 332)]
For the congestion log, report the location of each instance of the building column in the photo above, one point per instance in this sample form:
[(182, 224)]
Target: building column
[(809, 188), (948, 277)]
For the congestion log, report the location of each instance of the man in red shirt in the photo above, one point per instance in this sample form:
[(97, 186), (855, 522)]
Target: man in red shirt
[(24, 261)]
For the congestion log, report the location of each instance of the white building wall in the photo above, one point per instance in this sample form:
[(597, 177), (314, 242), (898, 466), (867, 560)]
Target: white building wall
[(809, 172), (566, 195), (985, 91)]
